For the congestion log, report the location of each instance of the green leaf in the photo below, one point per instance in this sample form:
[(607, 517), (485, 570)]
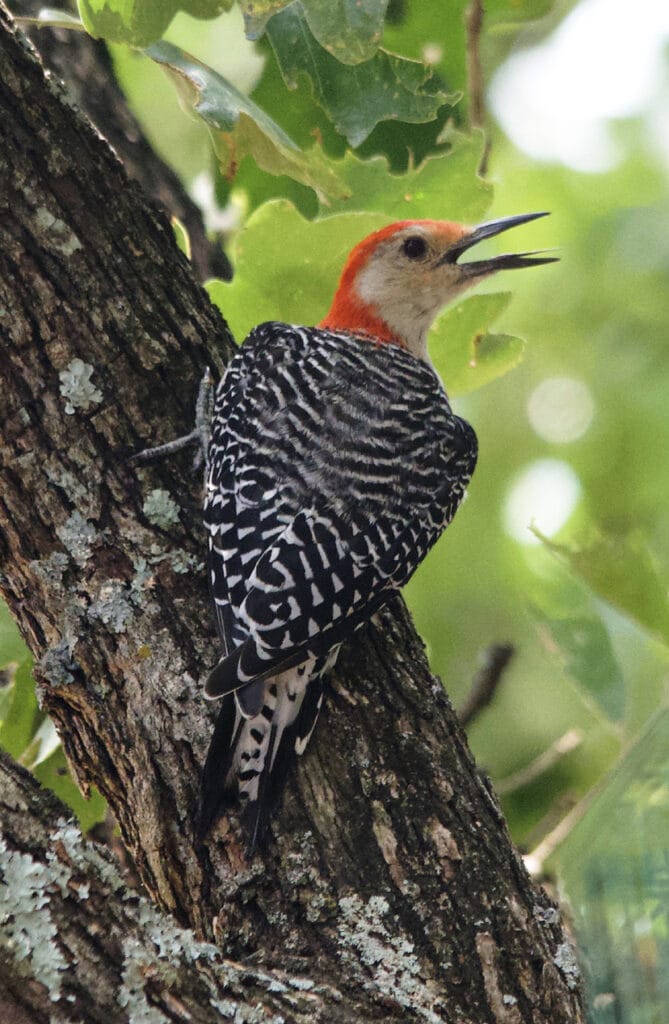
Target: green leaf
[(584, 647), (239, 128), (464, 354), (444, 187), (507, 13), (55, 774), (139, 23), (181, 236), (348, 29), (22, 716), (622, 571), (286, 268), (256, 14), (12, 647), (354, 98)]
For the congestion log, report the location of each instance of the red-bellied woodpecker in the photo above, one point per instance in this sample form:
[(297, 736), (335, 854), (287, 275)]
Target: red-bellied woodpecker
[(335, 463)]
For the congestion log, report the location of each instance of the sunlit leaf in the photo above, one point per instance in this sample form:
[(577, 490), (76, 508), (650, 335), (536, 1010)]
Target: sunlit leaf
[(445, 187), (55, 774), (239, 128), (181, 236), (465, 355), (354, 98), (22, 716), (286, 268), (584, 647), (348, 29), (12, 647), (257, 13), (622, 571), (139, 23)]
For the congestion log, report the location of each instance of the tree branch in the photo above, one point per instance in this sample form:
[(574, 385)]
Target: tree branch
[(97, 948), (390, 876)]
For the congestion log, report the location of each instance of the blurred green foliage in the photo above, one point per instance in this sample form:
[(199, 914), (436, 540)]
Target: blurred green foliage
[(578, 433)]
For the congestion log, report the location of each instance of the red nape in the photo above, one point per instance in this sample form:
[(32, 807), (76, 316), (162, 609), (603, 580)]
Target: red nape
[(349, 313)]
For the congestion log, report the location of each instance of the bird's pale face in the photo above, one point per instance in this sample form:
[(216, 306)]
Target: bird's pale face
[(408, 278), (397, 280)]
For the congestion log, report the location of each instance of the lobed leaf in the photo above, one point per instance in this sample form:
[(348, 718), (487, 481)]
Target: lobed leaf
[(622, 571), (348, 29), (355, 98), (139, 23), (239, 128), (464, 354), (446, 186)]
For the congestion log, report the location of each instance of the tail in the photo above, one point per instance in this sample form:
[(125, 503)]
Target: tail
[(259, 730)]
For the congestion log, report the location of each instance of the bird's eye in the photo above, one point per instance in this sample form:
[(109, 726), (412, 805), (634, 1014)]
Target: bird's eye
[(414, 247)]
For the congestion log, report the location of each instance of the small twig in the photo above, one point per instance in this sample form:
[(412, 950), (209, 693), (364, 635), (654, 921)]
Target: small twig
[(535, 860), (528, 773), (486, 681), (475, 80)]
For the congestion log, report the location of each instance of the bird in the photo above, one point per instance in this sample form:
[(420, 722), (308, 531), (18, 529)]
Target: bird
[(335, 462)]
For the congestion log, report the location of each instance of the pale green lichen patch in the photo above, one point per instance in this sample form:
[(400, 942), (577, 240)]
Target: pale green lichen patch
[(366, 929), (171, 942), (182, 562), (178, 560), (84, 855), (61, 236), (112, 606), (27, 930), (132, 994), (76, 387), (565, 960), (51, 569), (77, 535), (57, 665), (160, 508)]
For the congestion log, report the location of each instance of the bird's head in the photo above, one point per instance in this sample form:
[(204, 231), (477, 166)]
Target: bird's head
[(396, 280)]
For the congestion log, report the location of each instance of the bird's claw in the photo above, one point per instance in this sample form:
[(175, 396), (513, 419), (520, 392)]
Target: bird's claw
[(199, 435)]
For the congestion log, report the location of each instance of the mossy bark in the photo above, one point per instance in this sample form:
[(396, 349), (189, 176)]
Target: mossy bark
[(390, 876)]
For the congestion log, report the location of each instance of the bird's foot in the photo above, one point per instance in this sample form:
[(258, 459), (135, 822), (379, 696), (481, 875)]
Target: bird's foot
[(199, 435)]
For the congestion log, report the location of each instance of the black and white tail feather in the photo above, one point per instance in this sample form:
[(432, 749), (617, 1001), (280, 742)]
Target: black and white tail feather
[(334, 465), (258, 728)]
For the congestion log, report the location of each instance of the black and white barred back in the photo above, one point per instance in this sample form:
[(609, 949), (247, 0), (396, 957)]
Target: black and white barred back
[(334, 465)]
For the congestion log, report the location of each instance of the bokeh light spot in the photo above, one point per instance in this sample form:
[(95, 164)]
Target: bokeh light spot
[(561, 409), (544, 494)]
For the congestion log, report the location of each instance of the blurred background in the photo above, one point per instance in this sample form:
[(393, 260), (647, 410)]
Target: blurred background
[(562, 547)]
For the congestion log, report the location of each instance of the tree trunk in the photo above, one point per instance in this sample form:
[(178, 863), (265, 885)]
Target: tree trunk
[(390, 877), (85, 67)]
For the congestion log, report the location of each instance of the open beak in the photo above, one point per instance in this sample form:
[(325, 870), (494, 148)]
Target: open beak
[(509, 261)]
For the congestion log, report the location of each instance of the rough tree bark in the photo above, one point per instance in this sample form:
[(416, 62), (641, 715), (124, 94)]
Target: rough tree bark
[(84, 65), (390, 881)]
